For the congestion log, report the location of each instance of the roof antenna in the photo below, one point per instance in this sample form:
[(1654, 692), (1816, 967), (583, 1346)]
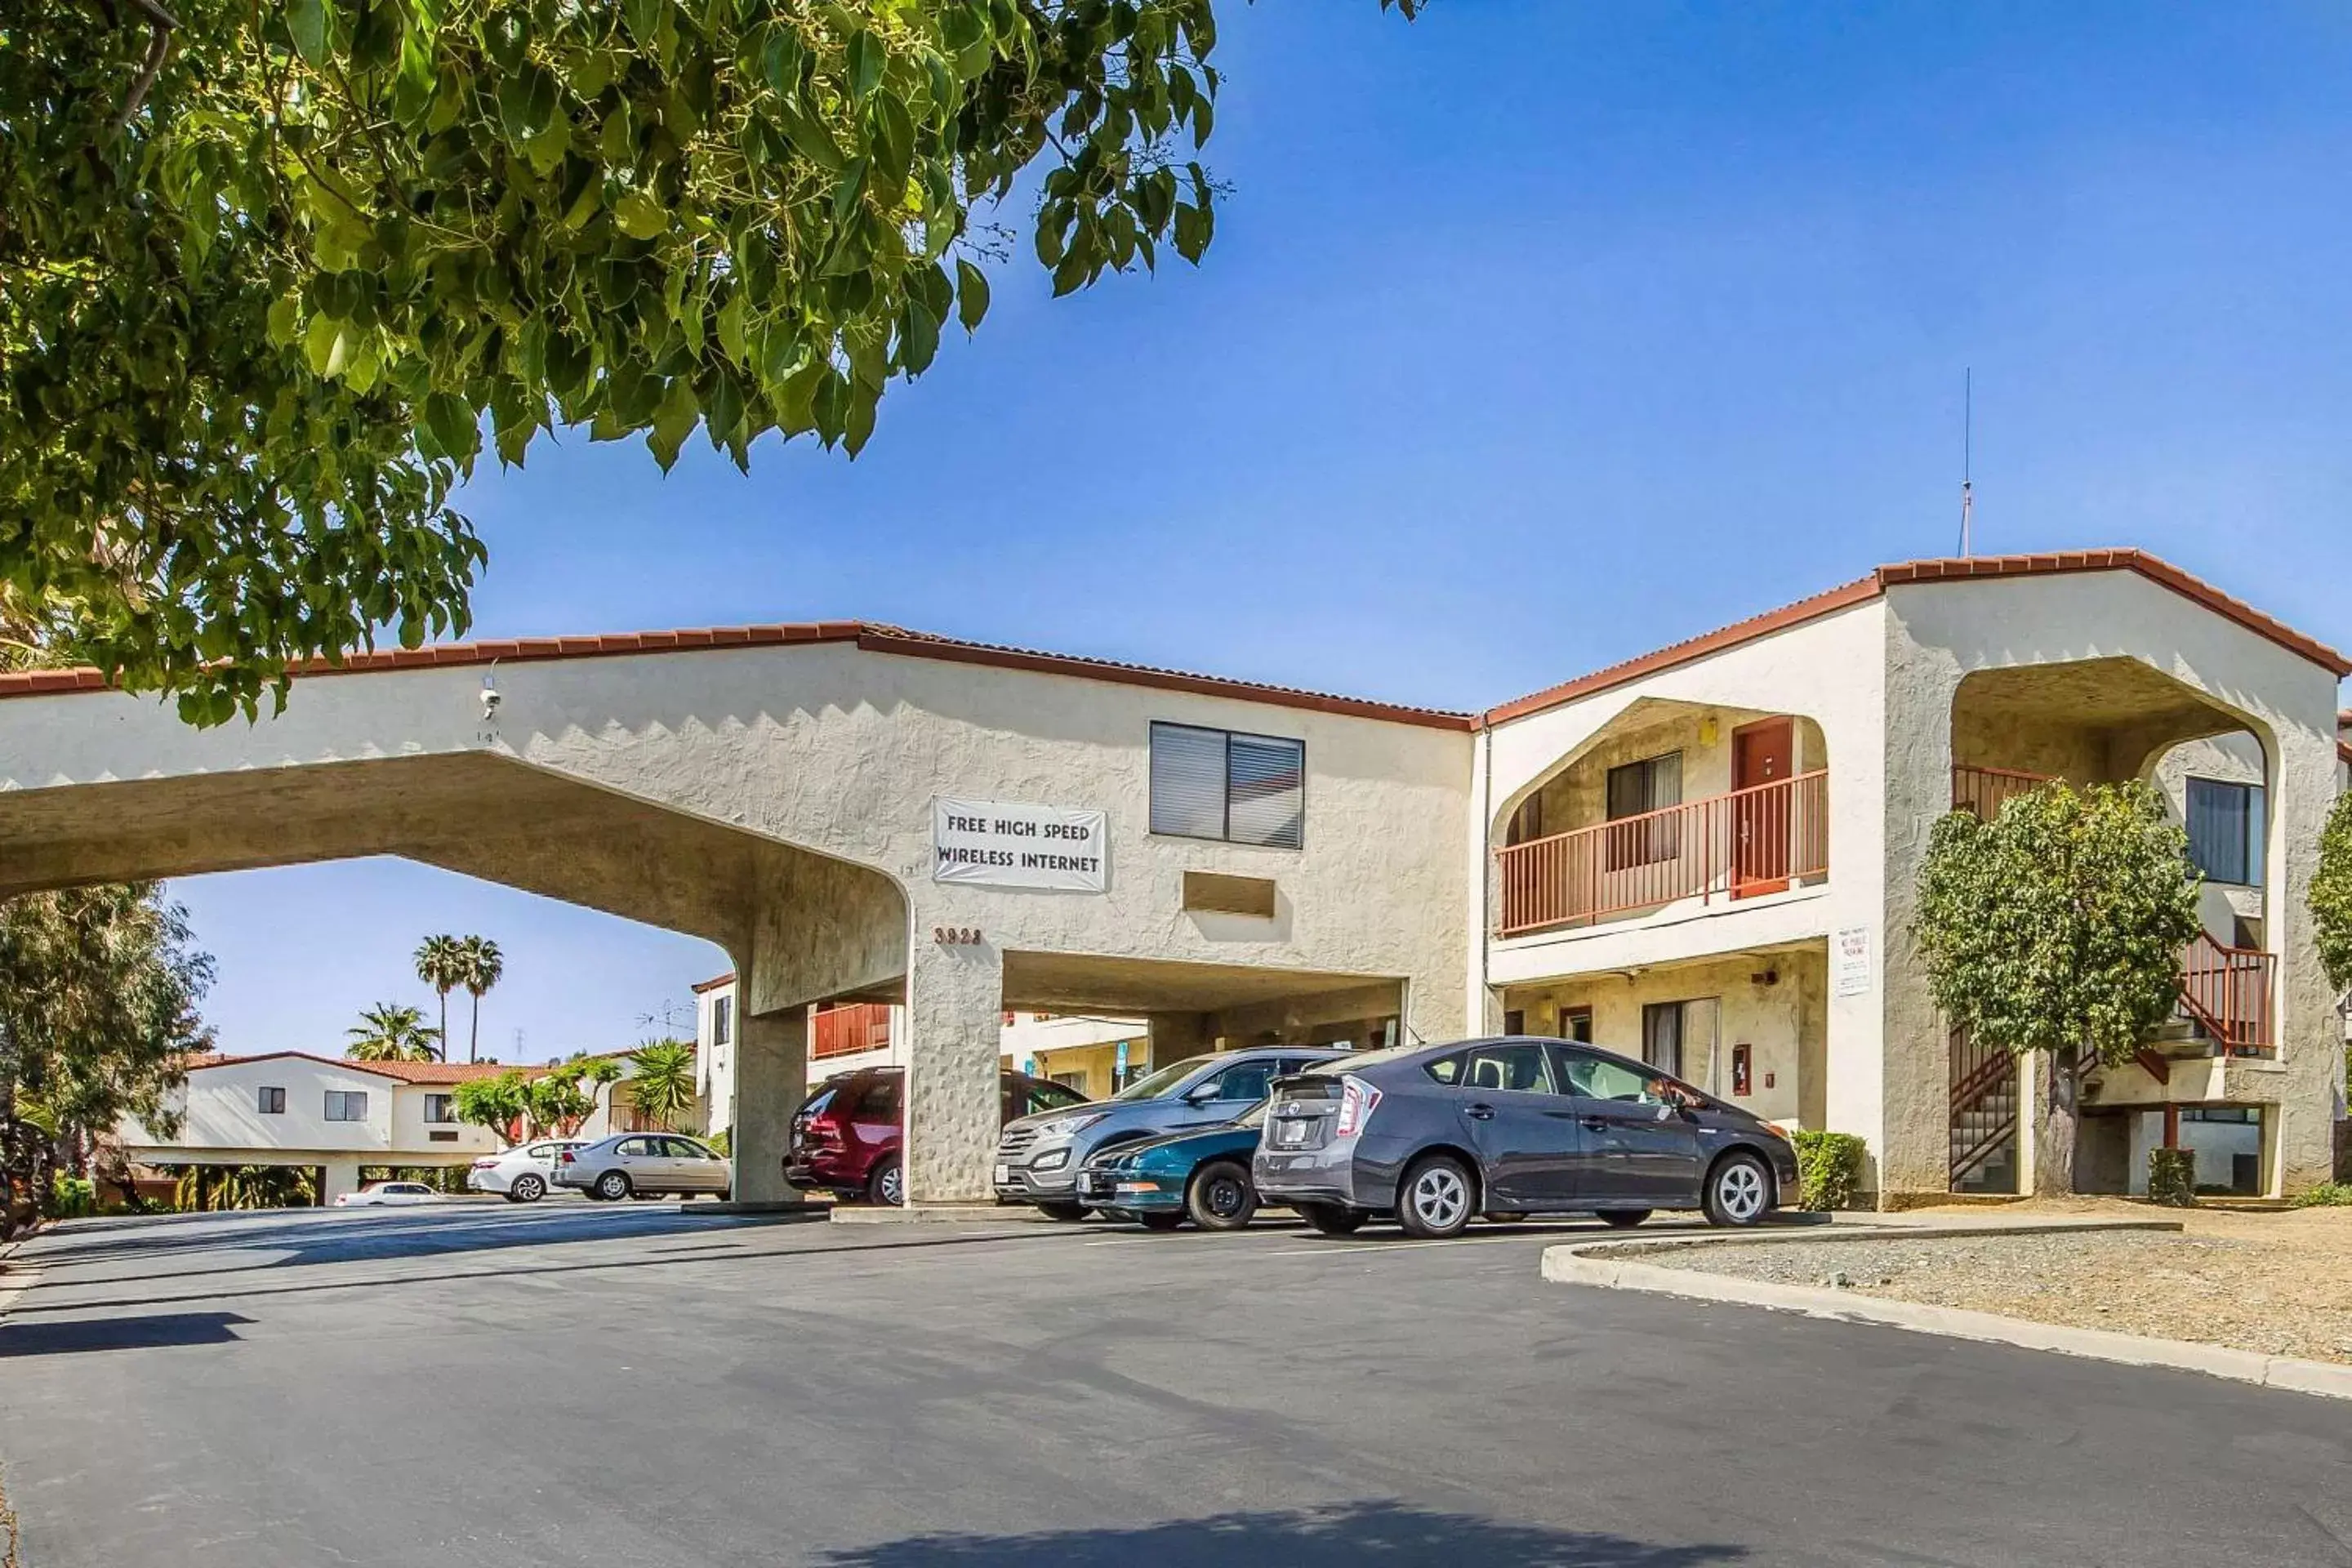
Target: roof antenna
[(1968, 435)]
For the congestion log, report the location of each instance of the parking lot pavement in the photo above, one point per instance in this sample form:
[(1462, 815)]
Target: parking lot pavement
[(574, 1384)]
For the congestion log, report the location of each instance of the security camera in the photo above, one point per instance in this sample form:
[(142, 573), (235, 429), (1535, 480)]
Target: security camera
[(489, 700)]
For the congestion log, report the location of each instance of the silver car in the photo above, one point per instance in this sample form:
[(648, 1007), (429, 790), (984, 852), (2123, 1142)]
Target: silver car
[(1038, 1157), (644, 1166)]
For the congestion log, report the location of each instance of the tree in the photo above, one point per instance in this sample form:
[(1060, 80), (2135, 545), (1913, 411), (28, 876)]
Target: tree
[(2057, 927), (481, 966), (441, 963), (661, 1078), (498, 1103), (391, 1032), (2330, 900), (98, 989), (270, 268)]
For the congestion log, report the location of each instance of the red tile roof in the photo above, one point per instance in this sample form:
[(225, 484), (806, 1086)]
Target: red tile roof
[(714, 983), (404, 1072), (1955, 569)]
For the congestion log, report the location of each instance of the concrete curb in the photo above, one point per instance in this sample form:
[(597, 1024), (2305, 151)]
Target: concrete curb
[(1575, 1263), (940, 1214)]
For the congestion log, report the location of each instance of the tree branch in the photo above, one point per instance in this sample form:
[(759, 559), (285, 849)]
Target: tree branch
[(162, 24)]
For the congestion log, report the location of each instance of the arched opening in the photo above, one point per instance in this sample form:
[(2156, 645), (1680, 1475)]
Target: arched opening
[(1668, 802)]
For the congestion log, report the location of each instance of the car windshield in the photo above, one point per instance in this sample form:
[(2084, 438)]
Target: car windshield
[(1044, 1095), (1166, 1078)]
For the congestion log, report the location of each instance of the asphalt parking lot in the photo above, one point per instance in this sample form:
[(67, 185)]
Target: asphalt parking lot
[(580, 1385)]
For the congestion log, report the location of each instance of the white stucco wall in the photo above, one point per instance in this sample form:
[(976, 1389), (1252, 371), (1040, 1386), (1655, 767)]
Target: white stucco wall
[(222, 1109)]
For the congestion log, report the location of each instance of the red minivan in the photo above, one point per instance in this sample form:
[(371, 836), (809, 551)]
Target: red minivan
[(845, 1136)]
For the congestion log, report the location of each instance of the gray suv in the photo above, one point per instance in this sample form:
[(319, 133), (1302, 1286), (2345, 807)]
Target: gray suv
[(1037, 1158)]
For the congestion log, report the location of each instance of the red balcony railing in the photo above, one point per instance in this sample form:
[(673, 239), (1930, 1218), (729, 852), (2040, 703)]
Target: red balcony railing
[(1733, 846), (1984, 790), (2227, 990), (850, 1027)]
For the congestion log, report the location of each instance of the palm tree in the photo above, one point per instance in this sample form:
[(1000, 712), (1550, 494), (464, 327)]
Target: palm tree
[(391, 1032), (484, 964), (441, 963), (661, 1078)]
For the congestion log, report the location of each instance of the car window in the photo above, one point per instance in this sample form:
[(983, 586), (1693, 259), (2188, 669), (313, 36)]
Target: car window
[(1166, 1078), (1045, 1095), (880, 1100), (1246, 1080), (818, 1102), (635, 1147), (1519, 1066), (1598, 1078), (687, 1148), (541, 1151), (1444, 1070)]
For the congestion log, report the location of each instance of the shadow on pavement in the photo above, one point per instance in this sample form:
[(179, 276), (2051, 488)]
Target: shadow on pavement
[(1347, 1536), (147, 1333)]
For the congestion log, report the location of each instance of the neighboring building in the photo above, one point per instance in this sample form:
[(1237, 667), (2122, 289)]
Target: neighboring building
[(288, 1107), (1706, 855)]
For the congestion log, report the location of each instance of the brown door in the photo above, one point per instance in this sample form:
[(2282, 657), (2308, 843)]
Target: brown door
[(1761, 754)]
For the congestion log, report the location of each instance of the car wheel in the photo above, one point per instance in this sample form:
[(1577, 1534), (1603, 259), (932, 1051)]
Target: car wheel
[(1160, 1219), (887, 1184), (1436, 1198), (1502, 1218), (528, 1189), (1738, 1189), (612, 1186), (1064, 1212), (645, 1197), (1623, 1219), (1331, 1219), (1220, 1197)]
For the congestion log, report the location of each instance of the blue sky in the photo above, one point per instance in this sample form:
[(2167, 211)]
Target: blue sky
[(1535, 335)]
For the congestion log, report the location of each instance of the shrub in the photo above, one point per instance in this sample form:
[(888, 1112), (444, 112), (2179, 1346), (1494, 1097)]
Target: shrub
[(1829, 1169), (722, 1143), (2172, 1178), (2327, 1194), (72, 1198)]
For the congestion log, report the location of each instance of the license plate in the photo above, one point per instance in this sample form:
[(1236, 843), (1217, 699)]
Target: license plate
[(1003, 1175), (1290, 1134)]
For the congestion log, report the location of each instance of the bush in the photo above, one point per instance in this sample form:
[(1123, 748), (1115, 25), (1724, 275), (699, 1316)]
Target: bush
[(722, 1143), (2327, 1195), (1829, 1169), (2172, 1178), (72, 1198)]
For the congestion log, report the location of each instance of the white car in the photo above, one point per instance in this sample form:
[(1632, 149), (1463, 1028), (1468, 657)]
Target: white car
[(520, 1174), (388, 1194)]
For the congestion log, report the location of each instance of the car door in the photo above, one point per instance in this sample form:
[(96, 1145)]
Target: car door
[(1526, 1133), (1230, 1092), (1644, 1152), (637, 1159), (700, 1168)]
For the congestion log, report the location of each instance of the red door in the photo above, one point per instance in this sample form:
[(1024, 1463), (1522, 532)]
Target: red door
[(1761, 754)]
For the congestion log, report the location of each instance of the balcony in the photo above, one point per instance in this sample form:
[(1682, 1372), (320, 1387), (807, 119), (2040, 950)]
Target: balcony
[(850, 1028), (2226, 991), (1727, 847)]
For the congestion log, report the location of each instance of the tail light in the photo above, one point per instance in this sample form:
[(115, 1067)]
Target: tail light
[(1357, 1100), (485, 1164), (564, 1158)]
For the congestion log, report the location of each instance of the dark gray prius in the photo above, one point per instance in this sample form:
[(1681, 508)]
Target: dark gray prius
[(1436, 1135)]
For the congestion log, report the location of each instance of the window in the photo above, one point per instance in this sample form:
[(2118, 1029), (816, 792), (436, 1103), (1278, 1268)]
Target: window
[(1634, 790), (441, 1108), (722, 1020), (1211, 784), (1598, 1078), (1052, 1097), (685, 1149), (2225, 831), (1522, 1068), (1662, 1036), (1248, 1080), (879, 1101), (1576, 1024), (1445, 1070), (347, 1105), (273, 1102), (634, 1148)]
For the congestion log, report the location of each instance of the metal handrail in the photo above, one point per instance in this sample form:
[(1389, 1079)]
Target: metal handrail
[(1737, 845), (2228, 991)]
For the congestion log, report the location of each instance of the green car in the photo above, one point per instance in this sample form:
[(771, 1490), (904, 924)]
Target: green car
[(1202, 1174)]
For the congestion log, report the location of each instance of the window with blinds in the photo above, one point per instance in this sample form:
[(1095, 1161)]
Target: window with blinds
[(1635, 791), (2225, 831), (1214, 784)]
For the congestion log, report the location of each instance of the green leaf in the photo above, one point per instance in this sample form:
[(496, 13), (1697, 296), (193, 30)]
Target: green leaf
[(309, 21), (452, 424), (866, 57), (780, 59), (640, 216), (285, 319), (971, 294), (918, 338), (673, 421)]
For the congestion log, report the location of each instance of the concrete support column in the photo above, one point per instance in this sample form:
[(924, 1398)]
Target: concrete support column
[(770, 1082), (343, 1176), (1175, 1036), (955, 1016)]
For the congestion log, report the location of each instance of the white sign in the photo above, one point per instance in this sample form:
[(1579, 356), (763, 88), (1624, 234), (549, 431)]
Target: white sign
[(1849, 961), (1005, 844)]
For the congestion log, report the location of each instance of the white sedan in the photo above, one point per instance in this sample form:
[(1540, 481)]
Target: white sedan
[(520, 1174), (388, 1194)]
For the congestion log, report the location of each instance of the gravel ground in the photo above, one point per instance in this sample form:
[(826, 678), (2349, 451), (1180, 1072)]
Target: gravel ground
[(2277, 1283)]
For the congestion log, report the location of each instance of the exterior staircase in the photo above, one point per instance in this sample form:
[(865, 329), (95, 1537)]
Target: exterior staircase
[(1984, 1118)]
